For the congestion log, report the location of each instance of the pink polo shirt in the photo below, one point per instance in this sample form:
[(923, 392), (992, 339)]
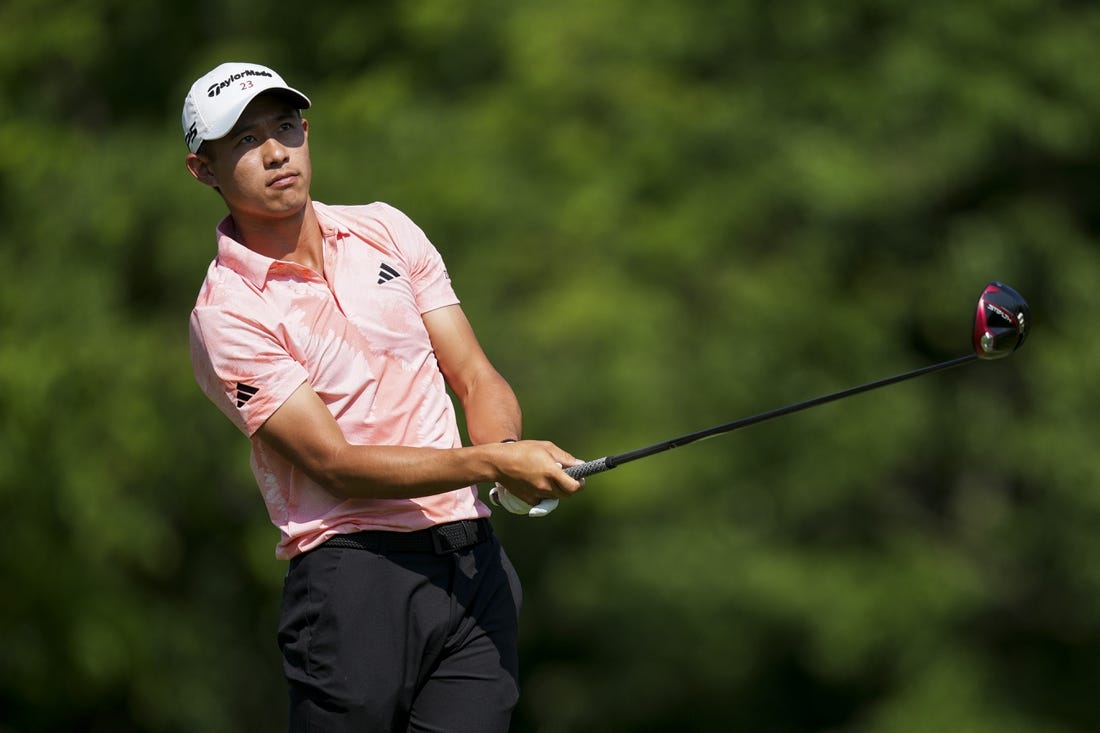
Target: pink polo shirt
[(262, 327)]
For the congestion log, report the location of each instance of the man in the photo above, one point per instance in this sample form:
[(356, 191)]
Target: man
[(328, 335)]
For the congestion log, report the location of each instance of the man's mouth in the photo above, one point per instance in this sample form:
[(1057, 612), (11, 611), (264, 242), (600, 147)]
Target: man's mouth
[(283, 180)]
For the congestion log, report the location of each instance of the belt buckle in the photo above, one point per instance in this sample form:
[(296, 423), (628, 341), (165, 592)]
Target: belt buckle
[(454, 536)]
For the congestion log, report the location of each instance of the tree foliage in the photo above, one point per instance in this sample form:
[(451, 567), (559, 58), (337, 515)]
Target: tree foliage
[(659, 216)]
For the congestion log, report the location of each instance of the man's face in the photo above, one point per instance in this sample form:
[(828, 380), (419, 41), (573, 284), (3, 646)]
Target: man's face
[(262, 167)]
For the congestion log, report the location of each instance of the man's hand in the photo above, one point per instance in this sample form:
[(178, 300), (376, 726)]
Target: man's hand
[(499, 496), (534, 478)]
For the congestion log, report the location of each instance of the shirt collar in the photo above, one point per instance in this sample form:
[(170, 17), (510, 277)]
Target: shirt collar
[(250, 265), (255, 267), (331, 228)]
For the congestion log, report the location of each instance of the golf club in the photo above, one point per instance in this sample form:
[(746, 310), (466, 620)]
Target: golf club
[(1000, 327)]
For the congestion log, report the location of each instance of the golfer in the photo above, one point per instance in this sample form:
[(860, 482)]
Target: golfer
[(329, 335)]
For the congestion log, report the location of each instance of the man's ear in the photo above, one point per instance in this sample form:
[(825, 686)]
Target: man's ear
[(201, 170)]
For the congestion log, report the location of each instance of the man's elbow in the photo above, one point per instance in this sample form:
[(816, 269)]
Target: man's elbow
[(328, 470)]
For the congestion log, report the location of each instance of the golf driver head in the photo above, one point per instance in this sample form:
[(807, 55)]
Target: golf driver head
[(1001, 322)]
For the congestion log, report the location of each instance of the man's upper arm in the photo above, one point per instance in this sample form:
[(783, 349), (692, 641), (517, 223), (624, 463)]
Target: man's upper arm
[(241, 363), (304, 432), (460, 356), (491, 409)]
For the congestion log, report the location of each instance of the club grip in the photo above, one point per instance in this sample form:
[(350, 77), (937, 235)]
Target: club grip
[(581, 470)]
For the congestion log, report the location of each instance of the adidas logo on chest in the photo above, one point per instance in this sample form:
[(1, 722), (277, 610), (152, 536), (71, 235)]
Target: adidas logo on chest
[(386, 273)]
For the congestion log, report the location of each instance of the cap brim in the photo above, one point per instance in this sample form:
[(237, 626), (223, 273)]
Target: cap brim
[(296, 98)]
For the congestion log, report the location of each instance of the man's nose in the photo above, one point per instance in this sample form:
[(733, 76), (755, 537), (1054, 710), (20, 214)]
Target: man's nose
[(275, 153)]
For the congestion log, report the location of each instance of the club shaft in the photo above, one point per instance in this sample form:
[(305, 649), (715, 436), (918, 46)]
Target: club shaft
[(608, 462)]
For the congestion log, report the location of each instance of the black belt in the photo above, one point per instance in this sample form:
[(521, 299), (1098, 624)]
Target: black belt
[(440, 539)]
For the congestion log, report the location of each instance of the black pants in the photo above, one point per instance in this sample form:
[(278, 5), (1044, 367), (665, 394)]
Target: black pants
[(378, 640)]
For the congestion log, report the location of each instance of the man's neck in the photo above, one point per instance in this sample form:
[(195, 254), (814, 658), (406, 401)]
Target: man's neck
[(295, 238)]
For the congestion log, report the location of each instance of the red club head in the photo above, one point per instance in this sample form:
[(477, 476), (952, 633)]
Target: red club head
[(1001, 322)]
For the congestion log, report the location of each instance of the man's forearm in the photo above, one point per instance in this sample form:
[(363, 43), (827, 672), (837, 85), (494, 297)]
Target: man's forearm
[(398, 472)]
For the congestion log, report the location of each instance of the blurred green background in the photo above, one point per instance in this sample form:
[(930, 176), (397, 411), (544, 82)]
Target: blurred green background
[(659, 216)]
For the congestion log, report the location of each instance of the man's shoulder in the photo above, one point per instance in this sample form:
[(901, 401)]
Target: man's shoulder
[(356, 215), (373, 209), (223, 286)]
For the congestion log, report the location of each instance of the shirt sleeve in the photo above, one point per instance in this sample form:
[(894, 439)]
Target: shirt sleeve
[(241, 366), (431, 282)]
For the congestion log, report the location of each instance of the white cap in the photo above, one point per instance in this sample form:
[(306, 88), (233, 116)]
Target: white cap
[(218, 98)]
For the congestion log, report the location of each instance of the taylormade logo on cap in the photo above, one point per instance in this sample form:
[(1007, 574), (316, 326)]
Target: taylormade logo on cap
[(218, 98), (216, 89)]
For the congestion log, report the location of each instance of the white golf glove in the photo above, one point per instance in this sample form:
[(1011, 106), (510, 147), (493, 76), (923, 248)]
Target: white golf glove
[(500, 496)]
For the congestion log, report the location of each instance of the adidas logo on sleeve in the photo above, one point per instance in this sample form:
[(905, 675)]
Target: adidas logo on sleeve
[(245, 392)]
